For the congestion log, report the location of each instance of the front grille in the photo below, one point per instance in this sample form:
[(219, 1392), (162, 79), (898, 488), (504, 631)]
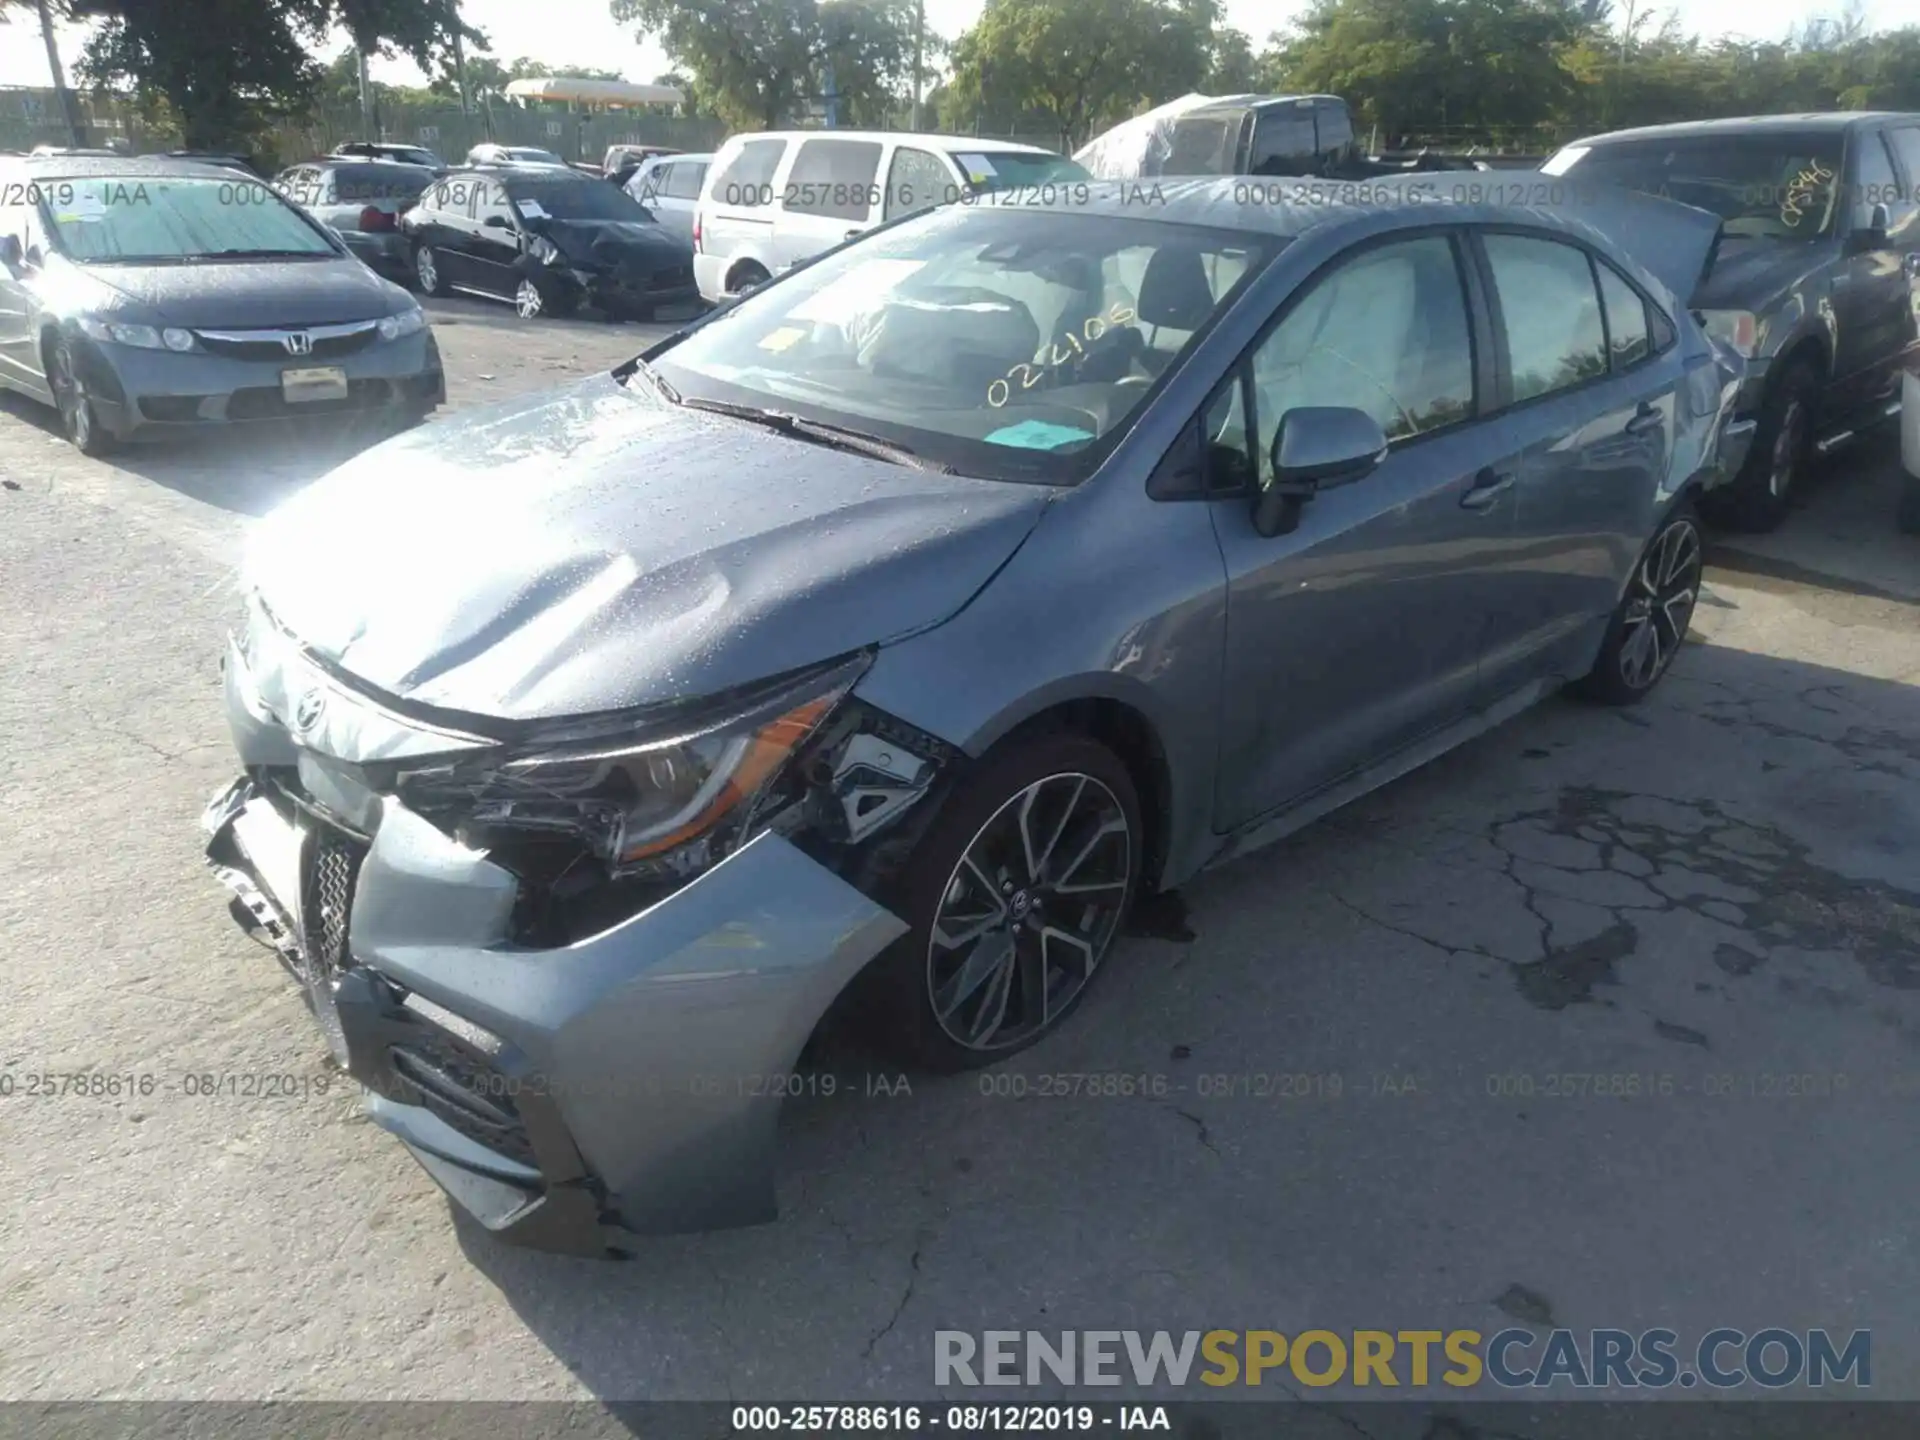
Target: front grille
[(325, 347), (439, 1074), (326, 900)]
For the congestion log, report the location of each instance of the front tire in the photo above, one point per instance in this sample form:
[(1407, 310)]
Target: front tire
[(1014, 897), (1758, 499), (79, 417), (1650, 624)]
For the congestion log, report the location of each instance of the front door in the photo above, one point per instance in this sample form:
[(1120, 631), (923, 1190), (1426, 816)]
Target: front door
[(1870, 293), (1360, 631)]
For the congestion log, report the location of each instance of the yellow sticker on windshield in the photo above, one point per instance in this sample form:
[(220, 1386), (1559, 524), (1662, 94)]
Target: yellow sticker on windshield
[(783, 339)]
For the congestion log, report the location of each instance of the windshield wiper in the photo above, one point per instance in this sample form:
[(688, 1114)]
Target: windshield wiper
[(637, 366), (837, 437), (267, 255)]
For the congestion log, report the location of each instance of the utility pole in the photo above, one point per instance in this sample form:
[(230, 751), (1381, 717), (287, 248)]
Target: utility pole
[(69, 102), (366, 96), (919, 39), (460, 60)]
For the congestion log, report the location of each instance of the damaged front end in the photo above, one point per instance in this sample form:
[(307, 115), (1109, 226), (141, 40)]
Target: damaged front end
[(570, 961)]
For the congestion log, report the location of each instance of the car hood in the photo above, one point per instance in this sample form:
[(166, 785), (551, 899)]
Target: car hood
[(1752, 273), (596, 549), (237, 294), (612, 241)]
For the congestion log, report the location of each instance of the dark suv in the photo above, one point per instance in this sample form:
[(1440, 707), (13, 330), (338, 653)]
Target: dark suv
[(1816, 281)]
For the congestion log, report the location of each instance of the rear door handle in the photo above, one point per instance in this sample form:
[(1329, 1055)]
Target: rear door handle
[(1647, 417), (1488, 486)]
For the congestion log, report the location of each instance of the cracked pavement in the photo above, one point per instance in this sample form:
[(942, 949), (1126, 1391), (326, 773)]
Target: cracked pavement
[(1620, 1009)]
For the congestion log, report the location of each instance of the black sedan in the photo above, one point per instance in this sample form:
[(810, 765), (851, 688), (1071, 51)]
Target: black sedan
[(362, 201), (140, 296), (547, 239)]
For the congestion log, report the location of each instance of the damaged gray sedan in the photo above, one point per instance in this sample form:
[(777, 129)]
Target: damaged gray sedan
[(877, 641)]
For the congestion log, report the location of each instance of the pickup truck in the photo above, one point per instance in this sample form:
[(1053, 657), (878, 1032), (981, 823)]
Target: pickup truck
[(1814, 286)]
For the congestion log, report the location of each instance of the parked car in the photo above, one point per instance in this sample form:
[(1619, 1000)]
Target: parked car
[(512, 155), (622, 160), (1280, 135), (141, 296), (548, 240), (1816, 278), (773, 199), (390, 150), (652, 716), (362, 200), (225, 159), (669, 186)]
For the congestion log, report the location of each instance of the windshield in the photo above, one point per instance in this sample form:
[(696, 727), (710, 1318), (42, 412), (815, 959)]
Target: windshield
[(1772, 185), (577, 200), (537, 157), (1013, 169), (112, 219), (1015, 344)]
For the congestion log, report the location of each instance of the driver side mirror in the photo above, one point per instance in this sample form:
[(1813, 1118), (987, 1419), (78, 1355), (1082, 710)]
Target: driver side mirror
[(1317, 447), (11, 255), (1872, 235), (497, 222)]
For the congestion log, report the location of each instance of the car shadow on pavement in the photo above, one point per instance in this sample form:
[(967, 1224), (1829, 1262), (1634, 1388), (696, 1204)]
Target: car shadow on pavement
[(1521, 1018)]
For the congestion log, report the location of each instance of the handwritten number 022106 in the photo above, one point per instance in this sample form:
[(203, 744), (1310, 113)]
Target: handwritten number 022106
[(1028, 373)]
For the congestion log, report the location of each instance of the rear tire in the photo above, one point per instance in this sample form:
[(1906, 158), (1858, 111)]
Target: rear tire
[(1650, 624), (426, 272), (1013, 897), (1760, 495)]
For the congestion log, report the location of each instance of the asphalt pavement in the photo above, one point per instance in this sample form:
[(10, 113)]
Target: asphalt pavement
[(1394, 1051)]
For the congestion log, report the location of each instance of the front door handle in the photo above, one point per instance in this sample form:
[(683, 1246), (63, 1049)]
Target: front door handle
[(1488, 486), (1647, 417)]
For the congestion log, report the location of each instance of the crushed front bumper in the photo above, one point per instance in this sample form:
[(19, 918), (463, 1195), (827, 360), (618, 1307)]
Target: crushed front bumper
[(626, 1084)]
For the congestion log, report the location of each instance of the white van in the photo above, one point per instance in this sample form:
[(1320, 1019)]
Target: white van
[(775, 198)]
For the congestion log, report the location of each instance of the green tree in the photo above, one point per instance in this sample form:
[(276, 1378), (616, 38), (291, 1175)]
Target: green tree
[(226, 70), (755, 62), (1077, 63)]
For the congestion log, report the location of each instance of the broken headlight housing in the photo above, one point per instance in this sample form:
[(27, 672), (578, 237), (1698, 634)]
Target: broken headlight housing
[(657, 799)]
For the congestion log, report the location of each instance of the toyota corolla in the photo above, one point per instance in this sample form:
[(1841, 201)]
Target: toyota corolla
[(883, 637)]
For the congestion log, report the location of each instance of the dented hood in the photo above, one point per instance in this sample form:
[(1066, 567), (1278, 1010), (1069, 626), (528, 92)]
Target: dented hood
[(596, 549)]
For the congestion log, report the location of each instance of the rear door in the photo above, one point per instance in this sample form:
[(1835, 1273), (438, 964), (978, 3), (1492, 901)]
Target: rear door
[(1591, 412), (1361, 631), (677, 193), (737, 211), (831, 192)]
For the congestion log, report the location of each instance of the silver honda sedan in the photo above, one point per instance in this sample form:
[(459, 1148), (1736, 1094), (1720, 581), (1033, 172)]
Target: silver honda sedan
[(878, 641)]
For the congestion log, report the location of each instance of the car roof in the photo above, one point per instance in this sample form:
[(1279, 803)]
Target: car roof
[(970, 144), (1753, 124), (130, 167)]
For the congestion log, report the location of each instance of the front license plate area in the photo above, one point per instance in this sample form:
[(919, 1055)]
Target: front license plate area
[(315, 382)]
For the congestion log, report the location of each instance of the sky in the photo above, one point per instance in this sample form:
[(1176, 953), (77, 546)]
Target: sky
[(580, 32)]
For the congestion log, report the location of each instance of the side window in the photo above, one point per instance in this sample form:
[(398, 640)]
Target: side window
[(1283, 143), (1874, 182), (833, 178), (1627, 339), (656, 182), (1386, 332), (1906, 149), (746, 181), (682, 180), (1228, 463), (918, 181), (1550, 312), (489, 200)]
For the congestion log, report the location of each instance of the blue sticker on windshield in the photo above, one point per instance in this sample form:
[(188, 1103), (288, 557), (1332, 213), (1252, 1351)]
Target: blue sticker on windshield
[(1038, 435)]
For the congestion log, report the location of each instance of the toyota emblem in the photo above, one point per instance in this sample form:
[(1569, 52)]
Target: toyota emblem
[(298, 342), (308, 709)]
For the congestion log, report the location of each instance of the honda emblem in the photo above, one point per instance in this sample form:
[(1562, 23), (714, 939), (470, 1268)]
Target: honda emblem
[(298, 342)]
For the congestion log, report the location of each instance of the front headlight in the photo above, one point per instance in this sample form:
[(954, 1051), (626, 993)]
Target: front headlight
[(141, 337), (1738, 330), (408, 322), (660, 807)]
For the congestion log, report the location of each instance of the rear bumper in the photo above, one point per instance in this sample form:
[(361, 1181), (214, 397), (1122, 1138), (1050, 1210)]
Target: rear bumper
[(627, 1084), (387, 253)]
